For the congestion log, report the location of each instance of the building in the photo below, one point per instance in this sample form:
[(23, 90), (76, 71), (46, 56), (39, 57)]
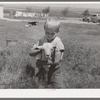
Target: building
[(1, 11), (27, 14)]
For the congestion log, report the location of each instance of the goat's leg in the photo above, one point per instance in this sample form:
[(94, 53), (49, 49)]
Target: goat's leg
[(41, 78), (46, 79)]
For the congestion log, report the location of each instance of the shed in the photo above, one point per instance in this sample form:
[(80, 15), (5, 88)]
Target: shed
[(1, 11)]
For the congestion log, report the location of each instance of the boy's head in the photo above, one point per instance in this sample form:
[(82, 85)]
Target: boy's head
[(51, 27)]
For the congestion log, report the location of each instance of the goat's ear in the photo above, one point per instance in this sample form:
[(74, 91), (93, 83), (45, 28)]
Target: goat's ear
[(39, 47)]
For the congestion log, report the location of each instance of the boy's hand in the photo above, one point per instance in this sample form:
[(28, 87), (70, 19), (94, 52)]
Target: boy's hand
[(41, 62)]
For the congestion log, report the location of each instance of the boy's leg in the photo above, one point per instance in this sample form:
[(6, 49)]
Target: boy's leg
[(56, 78)]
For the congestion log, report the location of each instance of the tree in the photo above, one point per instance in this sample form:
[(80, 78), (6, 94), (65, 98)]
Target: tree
[(86, 12), (29, 9), (65, 11), (12, 13), (46, 10)]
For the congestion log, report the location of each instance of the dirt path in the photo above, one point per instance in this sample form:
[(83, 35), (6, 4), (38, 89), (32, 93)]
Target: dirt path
[(75, 21)]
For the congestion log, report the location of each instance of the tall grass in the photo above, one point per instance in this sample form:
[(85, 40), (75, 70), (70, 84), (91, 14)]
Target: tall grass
[(82, 65), (14, 63)]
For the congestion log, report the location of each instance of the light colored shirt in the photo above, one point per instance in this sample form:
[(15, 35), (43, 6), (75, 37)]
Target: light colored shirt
[(56, 42)]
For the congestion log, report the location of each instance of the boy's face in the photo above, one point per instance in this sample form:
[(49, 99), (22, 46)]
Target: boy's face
[(50, 35)]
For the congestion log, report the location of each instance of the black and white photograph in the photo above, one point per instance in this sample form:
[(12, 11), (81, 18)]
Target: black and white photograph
[(50, 45)]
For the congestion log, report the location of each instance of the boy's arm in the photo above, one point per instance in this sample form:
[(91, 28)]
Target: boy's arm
[(58, 59), (35, 50)]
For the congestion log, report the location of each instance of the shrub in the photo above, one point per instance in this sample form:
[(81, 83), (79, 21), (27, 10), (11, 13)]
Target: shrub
[(46, 10), (65, 11), (86, 12)]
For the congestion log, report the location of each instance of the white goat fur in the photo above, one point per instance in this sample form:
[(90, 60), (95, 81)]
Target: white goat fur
[(47, 47), (46, 52)]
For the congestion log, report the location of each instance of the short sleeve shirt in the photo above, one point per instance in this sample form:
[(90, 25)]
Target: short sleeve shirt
[(56, 42)]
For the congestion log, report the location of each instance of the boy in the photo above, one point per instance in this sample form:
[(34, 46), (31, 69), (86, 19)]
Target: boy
[(51, 27)]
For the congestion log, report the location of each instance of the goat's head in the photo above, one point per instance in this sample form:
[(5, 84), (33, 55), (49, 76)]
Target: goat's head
[(48, 49)]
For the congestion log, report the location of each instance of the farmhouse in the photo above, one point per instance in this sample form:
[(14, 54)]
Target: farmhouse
[(27, 14), (18, 13)]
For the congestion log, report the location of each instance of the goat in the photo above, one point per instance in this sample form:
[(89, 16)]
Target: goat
[(47, 54)]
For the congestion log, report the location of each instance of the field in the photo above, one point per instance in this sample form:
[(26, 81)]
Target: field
[(81, 63)]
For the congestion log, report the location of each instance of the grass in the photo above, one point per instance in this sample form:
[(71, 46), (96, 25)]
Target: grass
[(80, 66), (82, 56), (14, 61)]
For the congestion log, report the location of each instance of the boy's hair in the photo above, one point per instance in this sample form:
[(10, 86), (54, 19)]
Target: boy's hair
[(52, 23)]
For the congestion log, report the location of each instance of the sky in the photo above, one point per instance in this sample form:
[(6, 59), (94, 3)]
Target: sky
[(95, 5)]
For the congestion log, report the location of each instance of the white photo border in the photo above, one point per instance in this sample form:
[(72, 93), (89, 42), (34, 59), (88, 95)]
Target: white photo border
[(50, 93)]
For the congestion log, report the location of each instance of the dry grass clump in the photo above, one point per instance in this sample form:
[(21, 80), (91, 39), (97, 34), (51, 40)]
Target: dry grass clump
[(17, 68)]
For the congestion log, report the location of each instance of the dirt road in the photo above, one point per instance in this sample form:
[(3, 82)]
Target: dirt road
[(75, 21)]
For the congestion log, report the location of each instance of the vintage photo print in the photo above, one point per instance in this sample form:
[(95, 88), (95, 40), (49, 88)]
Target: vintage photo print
[(49, 49)]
